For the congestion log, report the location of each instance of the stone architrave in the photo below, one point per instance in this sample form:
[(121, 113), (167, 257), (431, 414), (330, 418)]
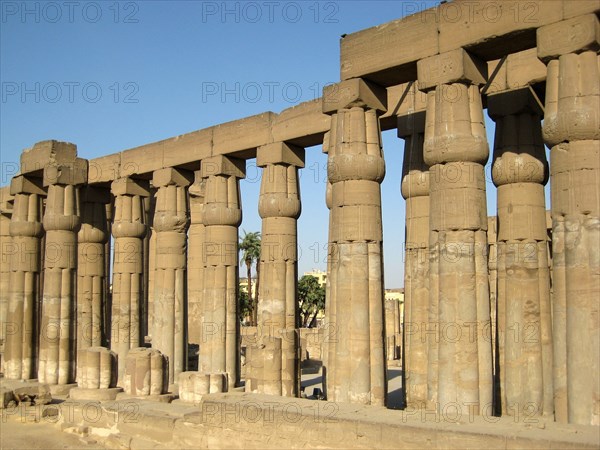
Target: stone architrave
[(171, 220), (356, 370), (221, 215), (279, 207), (62, 220), (455, 148), (572, 131), (128, 229), (21, 346), (520, 171)]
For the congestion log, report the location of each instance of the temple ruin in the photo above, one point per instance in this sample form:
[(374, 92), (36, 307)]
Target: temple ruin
[(501, 323)]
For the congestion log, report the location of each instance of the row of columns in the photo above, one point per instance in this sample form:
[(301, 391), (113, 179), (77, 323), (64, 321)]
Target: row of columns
[(547, 330), (547, 364)]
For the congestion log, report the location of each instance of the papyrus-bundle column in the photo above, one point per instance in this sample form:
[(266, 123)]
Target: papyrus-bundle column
[(171, 220), (456, 150), (6, 250), (91, 268), (61, 222), (128, 229), (279, 207), (20, 348), (194, 259), (222, 215), (355, 168), (572, 130), (520, 171), (415, 189)]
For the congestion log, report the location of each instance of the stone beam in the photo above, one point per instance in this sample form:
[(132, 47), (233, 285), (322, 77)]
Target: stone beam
[(387, 54)]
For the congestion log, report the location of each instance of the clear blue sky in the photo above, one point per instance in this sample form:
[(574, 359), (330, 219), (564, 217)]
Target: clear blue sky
[(109, 76)]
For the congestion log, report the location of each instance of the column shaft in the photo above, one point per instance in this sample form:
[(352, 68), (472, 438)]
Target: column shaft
[(128, 229), (25, 265), (171, 221), (222, 215), (523, 295), (356, 361), (572, 131), (194, 261)]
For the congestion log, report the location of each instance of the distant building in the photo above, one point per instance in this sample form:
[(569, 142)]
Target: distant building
[(319, 275), (244, 286)]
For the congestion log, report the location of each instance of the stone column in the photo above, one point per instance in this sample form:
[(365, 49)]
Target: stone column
[(171, 221), (355, 168), (128, 228), (455, 148), (91, 266), (58, 332), (20, 348), (415, 189), (222, 215), (194, 259), (520, 171), (7, 249), (279, 207), (572, 131)]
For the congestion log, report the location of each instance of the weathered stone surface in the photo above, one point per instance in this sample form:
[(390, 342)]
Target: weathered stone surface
[(146, 372)]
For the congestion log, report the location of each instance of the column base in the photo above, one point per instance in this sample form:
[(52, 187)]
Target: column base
[(101, 395)]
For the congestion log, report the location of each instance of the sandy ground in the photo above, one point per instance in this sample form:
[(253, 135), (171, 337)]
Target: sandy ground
[(17, 435)]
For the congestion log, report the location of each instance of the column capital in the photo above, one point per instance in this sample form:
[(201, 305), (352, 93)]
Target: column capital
[(355, 92), (69, 173), (455, 66), (223, 165), (576, 35), (21, 184), (130, 186), (172, 176), (516, 101), (198, 187), (280, 153)]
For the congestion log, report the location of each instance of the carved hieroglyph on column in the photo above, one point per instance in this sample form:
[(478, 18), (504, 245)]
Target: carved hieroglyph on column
[(455, 148), (91, 266), (171, 220), (415, 189), (520, 171), (61, 222), (572, 130), (355, 168), (20, 348), (279, 207), (222, 215), (128, 228), (194, 258)]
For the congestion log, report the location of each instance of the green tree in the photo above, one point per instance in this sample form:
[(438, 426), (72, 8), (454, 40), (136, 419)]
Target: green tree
[(245, 306), (250, 247), (311, 299)]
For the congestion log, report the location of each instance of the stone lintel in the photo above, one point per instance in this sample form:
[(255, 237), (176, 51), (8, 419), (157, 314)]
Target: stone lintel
[(130, 186), (517, 70), (168, 176), (47, 152), (21, 184), (280, 153), (574, 35), (403, 99), (411, 124), (72, 173), (353, 93), (455, 66), (514, 102), (223, 165), (94, 194)]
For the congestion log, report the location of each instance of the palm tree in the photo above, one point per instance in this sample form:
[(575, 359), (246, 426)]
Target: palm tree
[(250, 246)]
